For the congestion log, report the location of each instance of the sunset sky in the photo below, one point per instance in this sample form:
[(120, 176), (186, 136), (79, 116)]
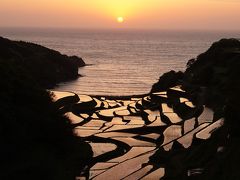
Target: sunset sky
[(142, 14)]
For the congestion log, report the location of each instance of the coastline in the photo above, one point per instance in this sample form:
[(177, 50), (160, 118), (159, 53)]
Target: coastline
[(167, 133)]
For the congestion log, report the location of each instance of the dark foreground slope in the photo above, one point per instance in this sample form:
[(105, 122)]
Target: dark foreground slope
[(46, 66), (36, 140), (213, 80)]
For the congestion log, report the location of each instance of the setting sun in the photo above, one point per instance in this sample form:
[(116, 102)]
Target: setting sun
[(120, 19), (138, 14)]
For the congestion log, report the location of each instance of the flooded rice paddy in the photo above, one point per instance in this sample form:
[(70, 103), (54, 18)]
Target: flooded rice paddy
[(125, 133)]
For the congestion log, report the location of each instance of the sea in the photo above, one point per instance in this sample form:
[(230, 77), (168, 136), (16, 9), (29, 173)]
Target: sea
[(121, 62)]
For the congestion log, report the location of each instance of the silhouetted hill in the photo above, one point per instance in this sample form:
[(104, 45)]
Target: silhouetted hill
[(213, 79), (216, 71), (37, 141), (46, 66), (215, 75)]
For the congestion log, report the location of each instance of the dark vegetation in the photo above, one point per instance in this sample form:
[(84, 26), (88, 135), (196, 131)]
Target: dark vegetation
[(46, 66), (218, 70), (37, 141), (214, 73), (169, 79), (213, 80)]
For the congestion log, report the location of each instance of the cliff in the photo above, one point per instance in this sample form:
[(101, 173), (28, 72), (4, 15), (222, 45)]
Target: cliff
[(47, 67)]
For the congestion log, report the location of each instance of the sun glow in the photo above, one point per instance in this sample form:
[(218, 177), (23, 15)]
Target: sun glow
[(120, 19), (120, 9), (149, 14)]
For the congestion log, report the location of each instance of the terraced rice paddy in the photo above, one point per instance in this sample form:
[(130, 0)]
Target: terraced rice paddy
[(125, 133)]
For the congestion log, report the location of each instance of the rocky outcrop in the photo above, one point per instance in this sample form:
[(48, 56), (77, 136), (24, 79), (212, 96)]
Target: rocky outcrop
[(47, 67)]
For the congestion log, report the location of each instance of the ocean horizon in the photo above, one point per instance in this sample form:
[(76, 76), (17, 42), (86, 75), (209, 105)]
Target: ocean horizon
[(120, 61)]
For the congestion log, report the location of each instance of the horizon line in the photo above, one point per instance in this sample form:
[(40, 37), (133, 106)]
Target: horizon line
[(116, 28)]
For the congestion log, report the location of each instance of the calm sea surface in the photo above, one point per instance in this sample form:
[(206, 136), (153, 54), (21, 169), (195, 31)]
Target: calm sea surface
[(121, 62)]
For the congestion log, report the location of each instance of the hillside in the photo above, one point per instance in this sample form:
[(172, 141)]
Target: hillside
[(212, 79), (47, 67)]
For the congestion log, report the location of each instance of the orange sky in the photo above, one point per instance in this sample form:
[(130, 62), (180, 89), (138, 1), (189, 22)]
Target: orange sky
[(142, 14)]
